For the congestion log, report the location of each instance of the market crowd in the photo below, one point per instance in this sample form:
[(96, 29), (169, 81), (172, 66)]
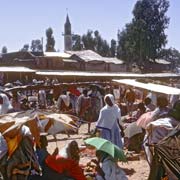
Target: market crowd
[(130, 118)]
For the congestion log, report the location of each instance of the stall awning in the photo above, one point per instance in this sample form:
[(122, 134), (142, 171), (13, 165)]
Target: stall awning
[(149, 86), (104, 74), (15, 69)]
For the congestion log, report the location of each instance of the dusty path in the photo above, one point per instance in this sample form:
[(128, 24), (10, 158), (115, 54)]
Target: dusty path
[(136, 170)]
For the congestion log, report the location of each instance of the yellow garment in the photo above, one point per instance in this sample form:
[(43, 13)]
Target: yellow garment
[(13, 143)]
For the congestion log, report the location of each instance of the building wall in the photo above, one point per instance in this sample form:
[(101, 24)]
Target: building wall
[(92, 66), (117, 67), (50, 63), (156, 68), (71, 66)]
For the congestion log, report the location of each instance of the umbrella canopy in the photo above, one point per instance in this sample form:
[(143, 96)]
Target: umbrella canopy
[(48, 122), (106, 146), (38, 121)]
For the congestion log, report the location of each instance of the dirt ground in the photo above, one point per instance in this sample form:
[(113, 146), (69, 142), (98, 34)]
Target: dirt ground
[(136, 168)]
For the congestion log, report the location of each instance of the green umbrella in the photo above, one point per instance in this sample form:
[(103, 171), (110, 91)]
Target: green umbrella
[(108, 147)]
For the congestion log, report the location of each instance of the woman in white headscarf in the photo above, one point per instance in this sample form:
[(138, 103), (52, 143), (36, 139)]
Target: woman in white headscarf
[(109, 121), (5, 104)]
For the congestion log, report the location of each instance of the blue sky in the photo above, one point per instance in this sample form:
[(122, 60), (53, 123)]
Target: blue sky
[(25, 20)]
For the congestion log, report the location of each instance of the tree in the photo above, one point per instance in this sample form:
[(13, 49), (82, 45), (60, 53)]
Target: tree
[(25, 48), (94, 41), (98, 41), (126, 47), (36, 46), (88, 40), (172, 55), (144, 37), (4, 50), (76, 42), (50, 40), (113, 48), (105, 51)]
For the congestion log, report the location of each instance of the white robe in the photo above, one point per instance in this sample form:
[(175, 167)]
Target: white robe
[(108, 124), (6, 106), (111, 170)]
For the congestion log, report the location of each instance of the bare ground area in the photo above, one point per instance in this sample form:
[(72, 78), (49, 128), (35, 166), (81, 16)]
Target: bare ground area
[(136, 168)]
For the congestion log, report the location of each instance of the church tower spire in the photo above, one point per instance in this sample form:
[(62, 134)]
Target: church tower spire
[(67, 35)]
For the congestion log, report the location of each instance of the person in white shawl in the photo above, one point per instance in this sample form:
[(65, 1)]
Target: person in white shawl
[(109, 122), (5, 104)]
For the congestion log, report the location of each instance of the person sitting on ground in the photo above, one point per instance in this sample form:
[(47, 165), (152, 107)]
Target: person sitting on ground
[(107, 168), (20, 161), (160, 128), (66, 163), (162, 108), (149, 105), (136, 114)]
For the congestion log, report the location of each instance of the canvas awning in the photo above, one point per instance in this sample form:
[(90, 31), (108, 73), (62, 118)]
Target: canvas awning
[(150, 86), (15, 69), (83, 73), (105, 74)]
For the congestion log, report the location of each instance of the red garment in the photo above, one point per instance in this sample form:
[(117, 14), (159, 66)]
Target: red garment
[(74, 91), (69, 166)]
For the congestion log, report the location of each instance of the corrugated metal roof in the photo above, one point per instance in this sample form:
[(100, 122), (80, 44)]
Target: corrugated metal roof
[(86, 55), (89, 55), (57, 54), (70, 60), (15, 69), (113, 60), (162, 61)]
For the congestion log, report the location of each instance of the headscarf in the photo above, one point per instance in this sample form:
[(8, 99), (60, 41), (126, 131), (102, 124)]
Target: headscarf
[(67, 153), (108, 114), (111, 98)]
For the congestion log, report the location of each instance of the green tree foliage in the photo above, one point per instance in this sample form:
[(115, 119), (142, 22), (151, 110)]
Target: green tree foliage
[(4, 50), (25, 48), (171, 54), (76, 42), (50, 40), (144, 37), (126, 45), (113, 48), (94, 41), (36, 46), (88, 40)]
